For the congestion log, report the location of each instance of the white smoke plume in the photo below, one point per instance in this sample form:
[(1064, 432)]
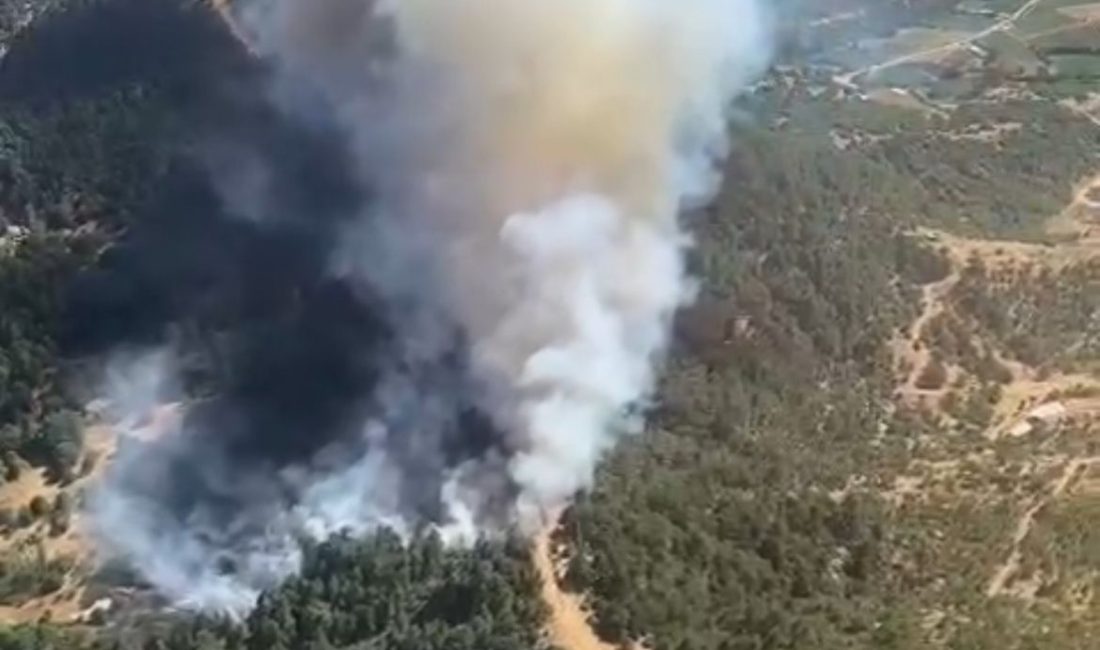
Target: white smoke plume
[(530, 160), (562, 139)]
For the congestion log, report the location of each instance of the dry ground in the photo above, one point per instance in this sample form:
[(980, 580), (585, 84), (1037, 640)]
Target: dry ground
[(74, 545), (1033, 403), (69, 604), (568, 626)]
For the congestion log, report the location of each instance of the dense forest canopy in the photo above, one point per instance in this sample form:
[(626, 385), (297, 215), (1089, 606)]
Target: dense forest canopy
[(758, 510)]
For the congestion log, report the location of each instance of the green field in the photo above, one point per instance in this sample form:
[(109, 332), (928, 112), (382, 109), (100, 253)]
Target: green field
[(1043, 18), (1081, 66), (1083, 37)]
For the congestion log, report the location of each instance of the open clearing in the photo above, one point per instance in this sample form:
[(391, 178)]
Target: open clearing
[(73, 546)]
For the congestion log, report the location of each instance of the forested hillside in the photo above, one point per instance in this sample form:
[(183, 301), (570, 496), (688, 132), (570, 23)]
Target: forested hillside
[(736, 508), (790, 493), (896, 276), (102, 105), (380, 592), (86, 132)]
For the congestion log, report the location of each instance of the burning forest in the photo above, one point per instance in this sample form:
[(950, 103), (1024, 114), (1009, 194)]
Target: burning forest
[(430, 271)]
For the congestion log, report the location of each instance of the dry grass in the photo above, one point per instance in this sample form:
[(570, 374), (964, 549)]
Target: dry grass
[(74, 545)]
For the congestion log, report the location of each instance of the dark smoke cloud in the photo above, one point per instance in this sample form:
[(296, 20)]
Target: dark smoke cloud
[(225, 284), (416, 269)]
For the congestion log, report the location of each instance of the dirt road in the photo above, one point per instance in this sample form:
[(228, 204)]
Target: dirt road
[(1007, 23), (1078, 244), (568, 626), (911, 352), (1008, 570)]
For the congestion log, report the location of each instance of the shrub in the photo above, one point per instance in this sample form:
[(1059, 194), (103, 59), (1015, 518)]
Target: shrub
[(933, 376), (39, 507)]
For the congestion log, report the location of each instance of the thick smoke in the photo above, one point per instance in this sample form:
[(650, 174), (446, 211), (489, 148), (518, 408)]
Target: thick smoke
[(469, 320)]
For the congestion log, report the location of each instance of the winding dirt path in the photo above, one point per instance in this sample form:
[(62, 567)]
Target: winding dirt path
[(1080, 243), (1080, 221), (912, 353), (1073, 470), (568, 624), (848, 79)]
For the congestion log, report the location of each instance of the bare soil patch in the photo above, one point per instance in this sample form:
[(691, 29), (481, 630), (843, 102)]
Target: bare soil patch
[(568, 625)]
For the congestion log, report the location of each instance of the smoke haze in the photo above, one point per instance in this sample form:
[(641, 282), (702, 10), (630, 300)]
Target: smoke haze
[(452, 299)]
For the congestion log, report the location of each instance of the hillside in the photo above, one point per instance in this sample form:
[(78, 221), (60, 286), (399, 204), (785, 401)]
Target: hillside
[(912, 462), (878, 427)]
